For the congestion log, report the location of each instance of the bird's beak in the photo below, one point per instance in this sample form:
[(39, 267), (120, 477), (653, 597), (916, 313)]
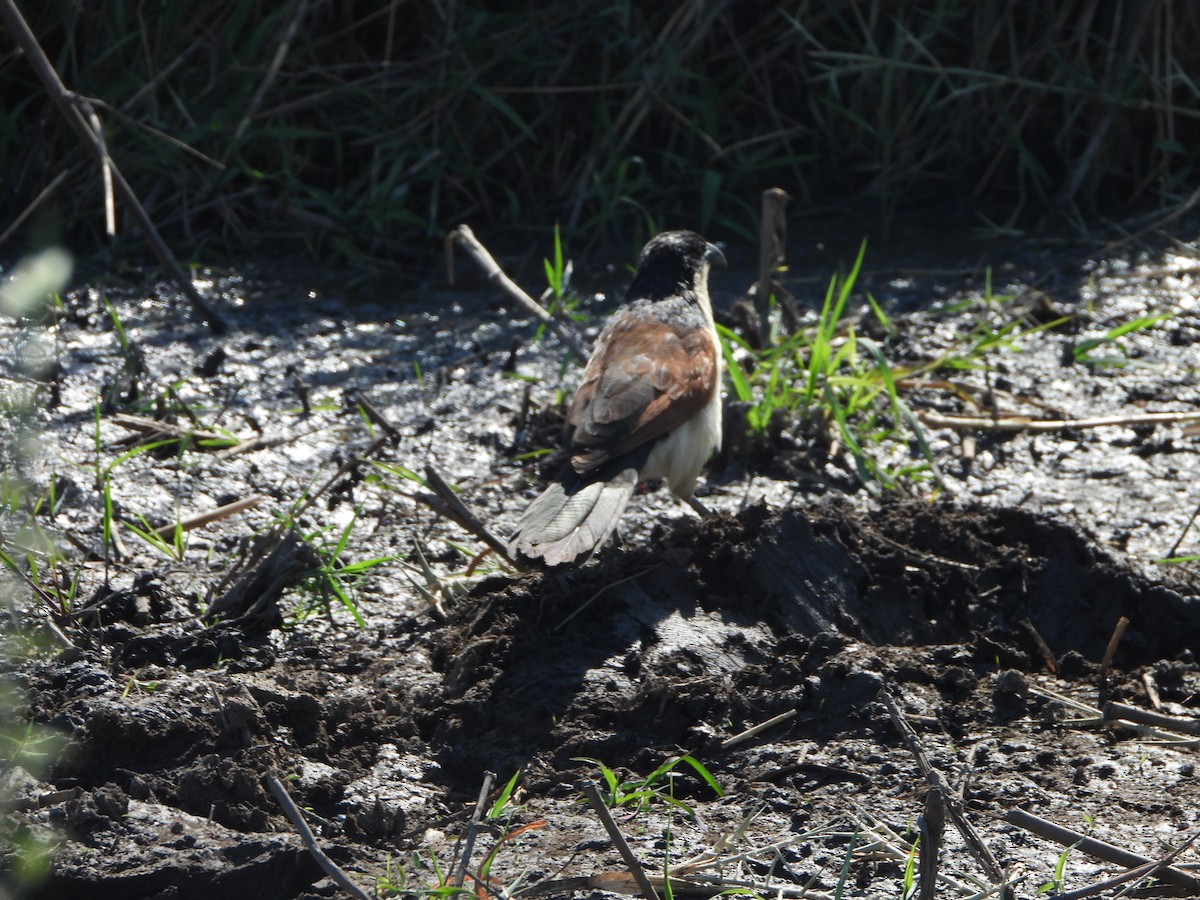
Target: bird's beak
[(713, 254)]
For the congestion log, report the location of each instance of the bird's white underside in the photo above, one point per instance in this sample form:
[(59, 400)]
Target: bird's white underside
[(679, 456)]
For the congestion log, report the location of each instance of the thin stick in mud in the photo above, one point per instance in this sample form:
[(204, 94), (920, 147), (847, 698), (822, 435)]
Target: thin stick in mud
[(465, 238), (983, 855), (328, 866), (592, 793), (73, 107), (473, 828), (1100, 849)]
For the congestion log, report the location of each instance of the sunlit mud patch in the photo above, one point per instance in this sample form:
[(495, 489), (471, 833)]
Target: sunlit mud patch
[(645, 644)]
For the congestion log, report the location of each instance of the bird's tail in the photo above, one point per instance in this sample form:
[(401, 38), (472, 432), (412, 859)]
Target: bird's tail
[(573, 517)]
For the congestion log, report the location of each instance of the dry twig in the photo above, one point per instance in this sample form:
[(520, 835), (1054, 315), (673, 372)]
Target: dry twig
[(77, 111), (447, 504), (473, 828), (213, 515), (1109, 652), (328, 866), (465, 238), (983, 855), (932, 824), (1100, 849), (1114, 712), (635, 868), (1147, 871), (1024, 423), (757, 729), (772, 252)]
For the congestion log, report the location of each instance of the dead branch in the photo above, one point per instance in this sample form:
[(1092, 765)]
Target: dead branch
[(213, 515), (983, 855), (157, 429), (473, 828), (77, 110), (1119, 711), (772, 252), (1059, 834), (631, 861), (932, 824), (1147, 871), (262, 442), (447, 504), (757, 729), (465, 238), (1109, 652), (328, 866), (1024, 423)]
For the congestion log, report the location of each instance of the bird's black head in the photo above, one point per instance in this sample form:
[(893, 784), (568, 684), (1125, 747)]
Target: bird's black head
[(673, 261)]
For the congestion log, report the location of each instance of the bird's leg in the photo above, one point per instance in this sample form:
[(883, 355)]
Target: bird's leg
[(702, 510)]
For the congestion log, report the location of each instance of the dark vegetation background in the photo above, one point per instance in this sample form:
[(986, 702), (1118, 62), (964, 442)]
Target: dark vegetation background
[(360, 131)]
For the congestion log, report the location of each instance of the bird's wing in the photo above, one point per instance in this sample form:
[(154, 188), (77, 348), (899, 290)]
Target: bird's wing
[(645, 377)]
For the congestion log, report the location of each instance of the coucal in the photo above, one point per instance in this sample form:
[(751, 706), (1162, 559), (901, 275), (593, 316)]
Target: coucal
[(649, 405)]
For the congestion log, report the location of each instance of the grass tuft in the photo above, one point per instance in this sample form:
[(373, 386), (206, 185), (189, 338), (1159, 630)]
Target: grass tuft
[(362, 131)]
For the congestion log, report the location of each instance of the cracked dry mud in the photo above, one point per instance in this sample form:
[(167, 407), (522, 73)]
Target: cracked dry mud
[(985, 611)]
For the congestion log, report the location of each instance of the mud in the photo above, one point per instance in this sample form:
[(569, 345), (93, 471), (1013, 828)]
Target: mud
[(983, 606)]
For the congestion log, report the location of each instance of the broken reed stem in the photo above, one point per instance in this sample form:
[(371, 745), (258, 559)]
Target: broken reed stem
[(328, 866), (1114, 711), (447, 504), (1024, 423), (473, 828), (771, 255), (931, 824), (592, 793), (1150, 869), (76, 110), (1059, 834), (1111, 650), (979, 850), (1043, 647), (465, 238), (757, 729), (213, 515), (377, 418)]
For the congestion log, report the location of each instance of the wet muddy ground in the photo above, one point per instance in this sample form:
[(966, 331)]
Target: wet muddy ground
[(980, 609)]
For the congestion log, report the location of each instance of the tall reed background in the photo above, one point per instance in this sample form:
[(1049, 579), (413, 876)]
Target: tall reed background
[(363, 130)]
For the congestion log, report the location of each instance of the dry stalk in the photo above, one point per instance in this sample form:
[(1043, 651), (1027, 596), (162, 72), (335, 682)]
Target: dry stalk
[(1060, 834), (473, 828), (592, 793), (448, 505), (1132, 875), (213, 515), (932, 824), (1109, 652), (1024, 423), (772, 254), (465, 238), (983, 855), (328, 866), (1121, 712), (77, 111), (758, 729), (1138, 723)]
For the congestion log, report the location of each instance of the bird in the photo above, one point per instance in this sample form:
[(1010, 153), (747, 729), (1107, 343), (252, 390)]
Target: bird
[(648, 406)]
